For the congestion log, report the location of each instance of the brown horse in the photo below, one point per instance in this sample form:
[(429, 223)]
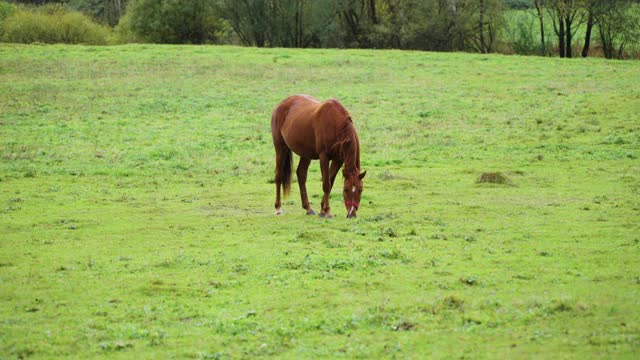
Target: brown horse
[(316, 130)]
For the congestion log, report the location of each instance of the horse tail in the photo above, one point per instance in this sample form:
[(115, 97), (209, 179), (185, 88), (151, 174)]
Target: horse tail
[(287, 170), (284, 156)]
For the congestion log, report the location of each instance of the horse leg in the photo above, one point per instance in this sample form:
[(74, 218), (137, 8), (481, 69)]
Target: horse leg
[(303, 167), (335, 167), (326, 186)]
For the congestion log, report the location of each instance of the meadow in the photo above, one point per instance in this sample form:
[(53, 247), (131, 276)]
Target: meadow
[(137, 219)]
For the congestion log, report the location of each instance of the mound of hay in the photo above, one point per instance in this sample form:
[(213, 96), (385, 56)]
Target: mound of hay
[(494, 178)]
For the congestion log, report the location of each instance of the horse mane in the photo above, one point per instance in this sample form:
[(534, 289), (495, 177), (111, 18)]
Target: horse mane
[(348, 147)]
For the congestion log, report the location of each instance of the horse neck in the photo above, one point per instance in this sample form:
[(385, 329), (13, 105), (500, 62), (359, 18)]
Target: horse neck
[(351, 151)]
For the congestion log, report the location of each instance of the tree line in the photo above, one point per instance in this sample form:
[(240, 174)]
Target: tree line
[(437, 25), (617, 23)]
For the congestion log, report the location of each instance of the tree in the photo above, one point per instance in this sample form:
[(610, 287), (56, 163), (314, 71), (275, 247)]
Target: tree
[(489, 19), (171, 21), (397, 23), (566, 15), (41, 2), (483, 44), (539, 5), (357, 18), (591, 7), (446, 25), (105, 11), (473, 23), (248, 19), (425, 25), (615, 20), (284, 23), (617, 23), (298, 23)]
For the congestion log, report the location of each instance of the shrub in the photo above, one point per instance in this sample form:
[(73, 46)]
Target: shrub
[(524, 42), (170, 21), (494, 178), (6, 10), (518, 4), (51, 25)]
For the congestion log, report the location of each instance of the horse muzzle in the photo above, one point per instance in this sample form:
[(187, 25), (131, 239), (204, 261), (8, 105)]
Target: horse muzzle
[(352, 208)]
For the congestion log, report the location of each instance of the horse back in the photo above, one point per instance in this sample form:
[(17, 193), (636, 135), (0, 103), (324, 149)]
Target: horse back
[(307, 126)]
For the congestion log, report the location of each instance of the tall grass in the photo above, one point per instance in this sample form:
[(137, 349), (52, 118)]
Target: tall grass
[(51, 25)]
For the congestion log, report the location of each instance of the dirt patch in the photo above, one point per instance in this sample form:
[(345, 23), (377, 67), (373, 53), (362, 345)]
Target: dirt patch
[(403, 326), (494, 178), (453, 302)]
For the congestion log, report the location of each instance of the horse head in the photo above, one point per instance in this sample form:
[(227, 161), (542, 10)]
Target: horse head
[(352, 192)]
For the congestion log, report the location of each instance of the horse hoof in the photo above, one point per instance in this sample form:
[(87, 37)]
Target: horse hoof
[(279, 212), (311, 212), (326, 215)]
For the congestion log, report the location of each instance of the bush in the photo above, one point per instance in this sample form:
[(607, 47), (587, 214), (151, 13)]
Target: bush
[(6, 10), (51, 25), (170, 21), (523, 39), (518, 4), (521, 34)]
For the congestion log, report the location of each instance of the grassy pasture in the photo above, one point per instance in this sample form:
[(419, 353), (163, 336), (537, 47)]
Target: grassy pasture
[(136, 206)]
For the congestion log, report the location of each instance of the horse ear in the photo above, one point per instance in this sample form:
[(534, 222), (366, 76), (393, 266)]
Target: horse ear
[(362, 174)]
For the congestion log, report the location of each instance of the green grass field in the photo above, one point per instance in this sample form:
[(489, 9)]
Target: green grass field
[(137, 219)]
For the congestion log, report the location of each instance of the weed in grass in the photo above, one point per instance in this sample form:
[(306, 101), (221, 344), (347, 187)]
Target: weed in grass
[(494, 178)]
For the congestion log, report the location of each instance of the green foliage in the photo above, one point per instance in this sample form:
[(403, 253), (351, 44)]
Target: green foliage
[(6, 10), (618, 25), (286, 23), (105, 11), (445, 27), (518, 4), (136, 206), (52, 24), (427, 25), (171, 21), (409, 24), (522, 32), (505, 26)]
